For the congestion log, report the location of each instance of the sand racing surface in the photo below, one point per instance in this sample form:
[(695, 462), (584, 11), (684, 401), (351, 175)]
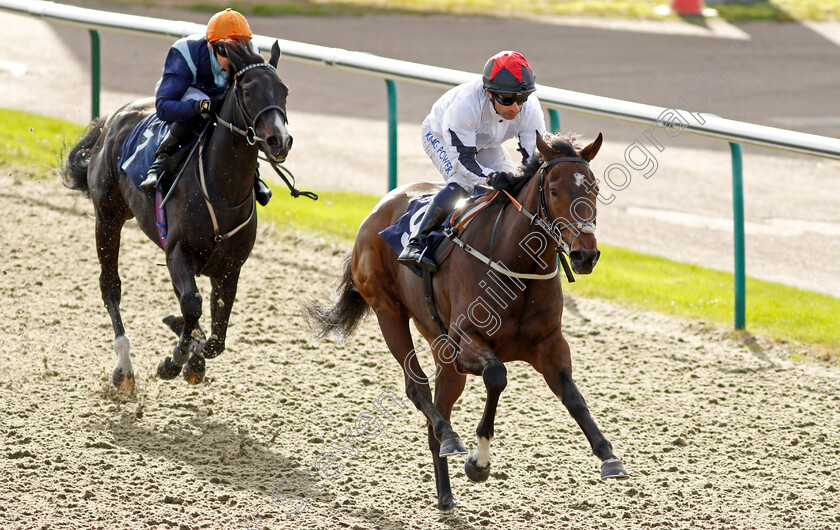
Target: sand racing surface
[(716, 434)]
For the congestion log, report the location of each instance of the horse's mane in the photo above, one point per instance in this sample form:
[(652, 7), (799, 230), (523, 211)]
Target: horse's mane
[(565, 144), (241, 54)]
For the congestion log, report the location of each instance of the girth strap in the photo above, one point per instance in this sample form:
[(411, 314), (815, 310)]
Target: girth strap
[(429, 294)]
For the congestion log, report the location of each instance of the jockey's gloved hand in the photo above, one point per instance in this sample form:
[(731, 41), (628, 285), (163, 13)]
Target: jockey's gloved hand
[(203, 107), (501, 181)]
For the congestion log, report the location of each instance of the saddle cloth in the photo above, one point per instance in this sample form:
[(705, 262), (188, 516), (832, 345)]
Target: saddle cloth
[(398, 234), (137, 154), (138, 150)]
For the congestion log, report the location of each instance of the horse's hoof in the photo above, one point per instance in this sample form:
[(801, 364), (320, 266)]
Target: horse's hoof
[(212, 348), (193, 371), (196, 346), (198, 334), (123, 381), (452, 446), (167, 369), (474, 472), (613, 468), (447, 504), (180, 357), (175, 323)]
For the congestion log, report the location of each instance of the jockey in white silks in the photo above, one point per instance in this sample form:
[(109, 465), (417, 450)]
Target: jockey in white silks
[(463, 136)]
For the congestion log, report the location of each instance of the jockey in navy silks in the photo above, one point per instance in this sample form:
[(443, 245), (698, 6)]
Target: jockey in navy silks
[(192, 88), (463, 135)]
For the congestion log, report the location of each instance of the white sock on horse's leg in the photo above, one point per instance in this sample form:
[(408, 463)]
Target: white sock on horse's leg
[(482, 452)]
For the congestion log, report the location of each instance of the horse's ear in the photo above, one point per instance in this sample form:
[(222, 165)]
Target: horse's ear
[(543, 147), (275, 54), (589, 152)]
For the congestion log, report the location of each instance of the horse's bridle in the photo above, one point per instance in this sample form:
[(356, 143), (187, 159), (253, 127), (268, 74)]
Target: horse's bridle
[(249, 134), (538, 219), (579, 227)]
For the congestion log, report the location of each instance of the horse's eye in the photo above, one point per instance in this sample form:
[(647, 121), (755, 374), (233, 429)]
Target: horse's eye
[(246, 92), (553, 192)]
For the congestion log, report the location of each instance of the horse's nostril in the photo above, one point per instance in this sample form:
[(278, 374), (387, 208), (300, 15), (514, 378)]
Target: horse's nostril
[(289, 143), (585, 256)]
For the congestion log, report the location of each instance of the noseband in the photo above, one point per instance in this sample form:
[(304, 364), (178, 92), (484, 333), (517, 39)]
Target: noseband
[(249, 133), (580, 227)]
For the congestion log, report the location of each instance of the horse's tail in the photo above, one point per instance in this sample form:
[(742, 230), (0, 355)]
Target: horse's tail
[(74, 170), (340, 317)]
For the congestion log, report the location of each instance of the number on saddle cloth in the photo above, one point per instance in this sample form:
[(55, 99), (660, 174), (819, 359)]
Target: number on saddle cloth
[(398, 234), (138, 151)]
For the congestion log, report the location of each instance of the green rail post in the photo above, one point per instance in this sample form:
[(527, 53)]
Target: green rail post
[(738, 216), (392, 133), (95, 74), (554, 120), (554, 125)]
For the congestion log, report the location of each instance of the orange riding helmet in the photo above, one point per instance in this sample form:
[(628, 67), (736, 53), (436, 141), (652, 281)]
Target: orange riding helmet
[(228, 24)]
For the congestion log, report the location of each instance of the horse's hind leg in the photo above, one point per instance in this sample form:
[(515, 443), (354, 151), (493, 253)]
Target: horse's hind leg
[(448, 388), (394, 326), (108, 228), (556, 367), (176, 324)]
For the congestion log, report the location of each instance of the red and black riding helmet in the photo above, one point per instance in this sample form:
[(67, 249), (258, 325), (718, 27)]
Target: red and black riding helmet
[(508, 72)]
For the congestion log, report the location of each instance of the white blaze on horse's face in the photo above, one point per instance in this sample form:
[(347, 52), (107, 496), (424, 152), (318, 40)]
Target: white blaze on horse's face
[(579, 179), (284, 143)]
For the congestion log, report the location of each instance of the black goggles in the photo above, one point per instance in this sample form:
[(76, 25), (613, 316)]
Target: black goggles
[(506, 99)]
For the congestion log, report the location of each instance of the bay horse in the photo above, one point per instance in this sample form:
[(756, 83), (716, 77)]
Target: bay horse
[(489, 315), (211, 214)]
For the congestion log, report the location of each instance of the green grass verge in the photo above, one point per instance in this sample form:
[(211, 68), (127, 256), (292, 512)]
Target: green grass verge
[(30, 145), (33, 143), (758, 10), (630, 278), (653, 283), (335, 216)]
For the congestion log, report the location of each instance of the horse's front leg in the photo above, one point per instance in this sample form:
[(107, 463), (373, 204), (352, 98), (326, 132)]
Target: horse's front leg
[(555, 364), (476, 358), (222, 297), (182, 272)]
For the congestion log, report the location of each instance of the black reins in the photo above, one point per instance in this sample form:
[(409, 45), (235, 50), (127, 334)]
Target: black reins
[(250, 134)]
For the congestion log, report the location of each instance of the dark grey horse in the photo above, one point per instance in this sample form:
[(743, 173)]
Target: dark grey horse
[(212, 222)]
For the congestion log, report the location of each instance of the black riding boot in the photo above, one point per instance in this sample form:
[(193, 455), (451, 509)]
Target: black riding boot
[(169, 145), (261, 191), (412, 253)]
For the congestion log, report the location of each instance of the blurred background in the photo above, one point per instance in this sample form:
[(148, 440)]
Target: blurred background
[(787, 78)]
